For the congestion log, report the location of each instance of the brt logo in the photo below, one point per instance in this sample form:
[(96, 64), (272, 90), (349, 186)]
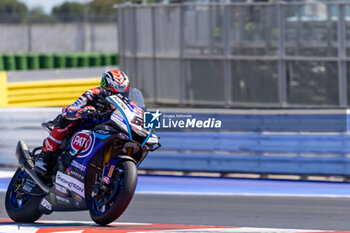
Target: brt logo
[(152, 120)]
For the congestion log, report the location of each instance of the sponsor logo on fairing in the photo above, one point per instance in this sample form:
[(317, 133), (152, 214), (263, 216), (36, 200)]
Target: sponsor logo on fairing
[(120, 121), (121, 104), (81, 167), (118, 118), (106, 179), (62, 200), (75, 174), (77, 197), (29, 185), (82, 141), (46, 204), (70, 183), (110, 172), (61, 189), (102, 131)]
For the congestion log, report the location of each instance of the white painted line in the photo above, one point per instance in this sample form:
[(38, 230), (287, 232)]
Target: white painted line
[(6, 174), (33, 228), (243, 194), (18, 228), (79, 231), (240, 230), (88, 222)]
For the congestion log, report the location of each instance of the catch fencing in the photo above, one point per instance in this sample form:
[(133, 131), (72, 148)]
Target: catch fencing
[(238, 54)]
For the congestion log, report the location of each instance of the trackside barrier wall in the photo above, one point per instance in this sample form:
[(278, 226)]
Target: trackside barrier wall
[(43, 93), (259, 149), (275, 153), (3, 89)]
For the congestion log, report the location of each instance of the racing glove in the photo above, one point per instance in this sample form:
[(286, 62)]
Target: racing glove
[(86, 112)]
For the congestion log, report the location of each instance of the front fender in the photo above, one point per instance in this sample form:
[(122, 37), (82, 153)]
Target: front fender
[(125, 157)]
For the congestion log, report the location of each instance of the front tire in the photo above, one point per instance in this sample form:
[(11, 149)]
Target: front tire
[(125, 188), (24, 209)]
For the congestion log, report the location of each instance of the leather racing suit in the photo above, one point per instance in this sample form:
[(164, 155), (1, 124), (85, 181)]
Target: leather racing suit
[(68, 122)]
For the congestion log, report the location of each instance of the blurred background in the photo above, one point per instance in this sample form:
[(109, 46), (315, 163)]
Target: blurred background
[(238, 53), (191, 53), (275, 72)]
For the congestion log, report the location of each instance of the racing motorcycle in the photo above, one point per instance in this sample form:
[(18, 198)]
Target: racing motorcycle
[(96, 169)]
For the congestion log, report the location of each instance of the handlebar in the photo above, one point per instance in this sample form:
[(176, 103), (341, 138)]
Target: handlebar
[(99, 115)]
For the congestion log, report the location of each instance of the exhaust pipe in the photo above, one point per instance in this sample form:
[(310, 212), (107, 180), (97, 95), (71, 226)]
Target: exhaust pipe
[(26, 164)]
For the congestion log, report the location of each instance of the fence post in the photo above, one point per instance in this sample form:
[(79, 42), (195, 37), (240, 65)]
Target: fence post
[(121, 37), (282, 84), (135, 49), (3, 89), (92, 34), (342, 82), (182, 77), (29, 32), (119, 29), (211, 30), (154, 55), (227, 61)]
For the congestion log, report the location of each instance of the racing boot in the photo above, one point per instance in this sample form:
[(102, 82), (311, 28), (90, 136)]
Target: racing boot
[(42, 163)]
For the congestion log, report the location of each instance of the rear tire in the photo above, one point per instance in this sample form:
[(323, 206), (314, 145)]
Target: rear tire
[(18, 211), (122, 198)]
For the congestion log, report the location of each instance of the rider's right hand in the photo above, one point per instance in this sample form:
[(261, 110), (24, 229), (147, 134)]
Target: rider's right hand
[(86, 112)]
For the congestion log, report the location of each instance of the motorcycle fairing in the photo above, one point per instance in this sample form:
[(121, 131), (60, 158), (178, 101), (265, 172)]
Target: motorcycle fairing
[(65, 198)]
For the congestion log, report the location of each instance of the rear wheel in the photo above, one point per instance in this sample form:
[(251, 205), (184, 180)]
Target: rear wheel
[(21, 207), (109, 207)]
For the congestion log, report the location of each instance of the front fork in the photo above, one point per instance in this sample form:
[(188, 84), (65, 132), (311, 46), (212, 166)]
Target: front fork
[(109, 165)]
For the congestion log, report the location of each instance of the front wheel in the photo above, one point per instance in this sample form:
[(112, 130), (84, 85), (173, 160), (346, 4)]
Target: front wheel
[(21, 207), (109, 207)]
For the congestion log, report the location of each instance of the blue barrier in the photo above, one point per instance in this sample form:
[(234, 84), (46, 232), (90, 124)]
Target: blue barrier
[(257, 142), (277, 153)]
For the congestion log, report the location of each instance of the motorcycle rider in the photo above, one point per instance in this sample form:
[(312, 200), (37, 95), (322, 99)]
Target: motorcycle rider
[(112, 82)]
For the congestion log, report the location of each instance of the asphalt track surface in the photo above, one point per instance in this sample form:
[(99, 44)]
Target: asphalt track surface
[(237, 211), (231, 202)]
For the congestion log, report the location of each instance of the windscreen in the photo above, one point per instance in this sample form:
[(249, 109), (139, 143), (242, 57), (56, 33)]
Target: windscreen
[(135, 95)]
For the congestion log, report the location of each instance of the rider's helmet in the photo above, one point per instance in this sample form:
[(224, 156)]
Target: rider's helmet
[(113, 82)]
